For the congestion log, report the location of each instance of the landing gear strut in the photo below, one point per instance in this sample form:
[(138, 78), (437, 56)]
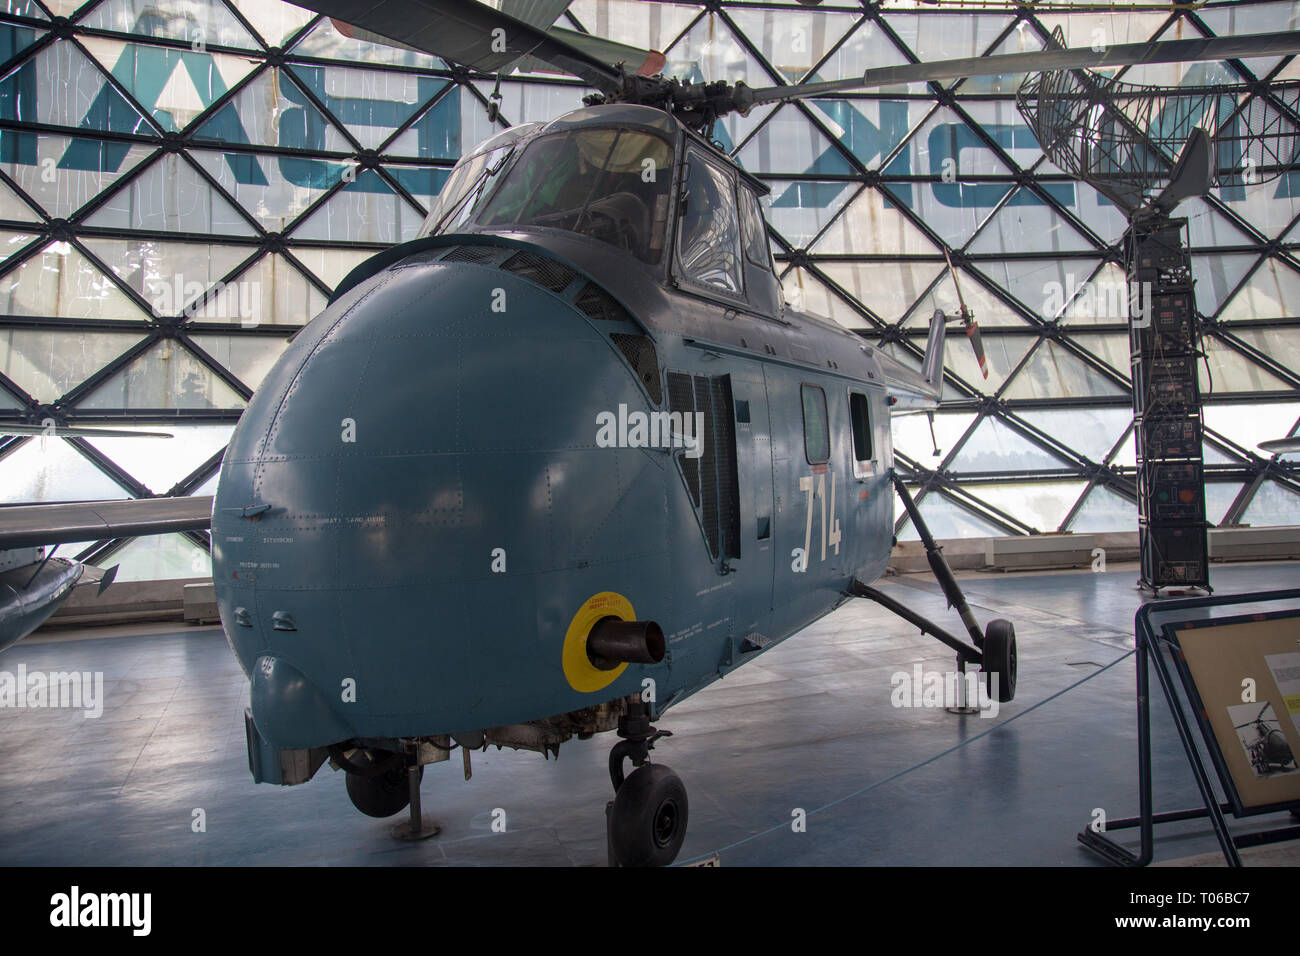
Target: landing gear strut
[(994, 649), (645, 823)]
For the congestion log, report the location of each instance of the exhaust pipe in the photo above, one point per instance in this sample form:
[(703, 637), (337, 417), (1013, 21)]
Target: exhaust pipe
[(613, 641)]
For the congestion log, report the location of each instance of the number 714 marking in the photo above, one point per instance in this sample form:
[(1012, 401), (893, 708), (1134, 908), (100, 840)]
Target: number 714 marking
[(833, 537)]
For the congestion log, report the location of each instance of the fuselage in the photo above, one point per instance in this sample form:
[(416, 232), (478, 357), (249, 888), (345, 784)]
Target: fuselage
[(484, 445), (31, 589)]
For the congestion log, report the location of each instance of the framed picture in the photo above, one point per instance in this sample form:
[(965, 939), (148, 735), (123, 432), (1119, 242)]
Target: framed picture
[(1242, 677)]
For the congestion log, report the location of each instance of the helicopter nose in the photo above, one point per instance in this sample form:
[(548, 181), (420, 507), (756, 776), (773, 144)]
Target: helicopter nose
[(389, 503)]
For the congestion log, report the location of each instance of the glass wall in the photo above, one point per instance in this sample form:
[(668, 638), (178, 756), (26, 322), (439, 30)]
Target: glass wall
[(182, 182)]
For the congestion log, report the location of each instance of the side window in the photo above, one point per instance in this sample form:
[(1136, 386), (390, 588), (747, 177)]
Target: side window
[(816, 431), (708, 244), (756, 247), (860, 415)]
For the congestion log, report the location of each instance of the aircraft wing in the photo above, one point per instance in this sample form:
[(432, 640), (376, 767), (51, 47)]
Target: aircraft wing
[(25, 526)]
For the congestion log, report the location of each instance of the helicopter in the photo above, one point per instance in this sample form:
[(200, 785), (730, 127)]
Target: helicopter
[(1269, 751), (568, 456)]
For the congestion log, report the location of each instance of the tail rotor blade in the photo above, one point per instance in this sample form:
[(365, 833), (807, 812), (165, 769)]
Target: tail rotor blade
[(973, 333)]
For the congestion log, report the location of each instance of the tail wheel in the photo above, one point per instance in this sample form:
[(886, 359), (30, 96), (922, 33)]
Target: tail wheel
[(648, 822), (1000, 658), (383, 794)]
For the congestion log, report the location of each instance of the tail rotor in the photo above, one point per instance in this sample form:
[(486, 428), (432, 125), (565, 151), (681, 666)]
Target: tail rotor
[(968, 320)]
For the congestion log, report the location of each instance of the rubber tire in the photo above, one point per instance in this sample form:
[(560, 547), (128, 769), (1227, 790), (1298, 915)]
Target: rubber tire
[(381, 796), (648, 822), (1000, 658)]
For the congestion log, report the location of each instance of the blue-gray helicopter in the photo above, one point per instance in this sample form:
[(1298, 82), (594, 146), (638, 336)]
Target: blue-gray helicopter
[(567, 457)]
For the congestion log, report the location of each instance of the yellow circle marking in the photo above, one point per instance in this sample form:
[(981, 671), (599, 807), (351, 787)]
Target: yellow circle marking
[(579, 671)]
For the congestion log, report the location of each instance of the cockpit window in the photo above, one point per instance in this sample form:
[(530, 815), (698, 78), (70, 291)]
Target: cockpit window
[(756, 248), (610, 184), (464, 188), (709, 242)]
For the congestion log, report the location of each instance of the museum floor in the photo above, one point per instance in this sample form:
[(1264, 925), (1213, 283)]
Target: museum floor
[(809, 725)]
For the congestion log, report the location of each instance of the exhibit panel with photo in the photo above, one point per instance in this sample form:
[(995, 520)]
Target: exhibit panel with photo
[(1246, 672)]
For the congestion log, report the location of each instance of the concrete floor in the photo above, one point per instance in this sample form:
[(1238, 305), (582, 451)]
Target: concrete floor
[(808, 725)]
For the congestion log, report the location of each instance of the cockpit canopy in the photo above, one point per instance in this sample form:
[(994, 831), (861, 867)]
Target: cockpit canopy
[(610, 184), (608, 173)]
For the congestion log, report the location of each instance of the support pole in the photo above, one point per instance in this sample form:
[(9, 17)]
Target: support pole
[(416, 827)]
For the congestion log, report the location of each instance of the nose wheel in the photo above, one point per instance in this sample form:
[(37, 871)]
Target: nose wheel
[(383, 785), (646, 820), (379, 787)]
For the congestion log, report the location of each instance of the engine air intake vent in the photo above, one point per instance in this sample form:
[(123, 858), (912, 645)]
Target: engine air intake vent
[(479, 254), (545, 272), (423, 257), (596, 303), (711, 475), (640, 354)]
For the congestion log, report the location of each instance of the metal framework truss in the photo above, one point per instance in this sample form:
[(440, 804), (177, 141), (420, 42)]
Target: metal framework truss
[(1124, 138), (246, 143)]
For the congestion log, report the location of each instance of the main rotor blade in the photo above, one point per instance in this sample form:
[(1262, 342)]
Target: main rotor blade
[(468, 33), (1280, 446), (75, 431), (1121, 54)]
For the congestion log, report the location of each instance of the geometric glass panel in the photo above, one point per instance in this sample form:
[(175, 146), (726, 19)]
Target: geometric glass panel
[(1039, 504), (162, 557), (50, 363), (947, 519), (1092, 432), (1272, 505), (1219, 497), (912, 435), (248, 357), (1053, 370), (1249, 424), (165, 377), (171, 196), (50, 469), (159, 463), (59, 281), (996, 447), (1104, 510)]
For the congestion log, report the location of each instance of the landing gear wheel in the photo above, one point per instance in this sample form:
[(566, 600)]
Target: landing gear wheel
[(382, 795), (1258, 763), (1000, 658), (648, 821)]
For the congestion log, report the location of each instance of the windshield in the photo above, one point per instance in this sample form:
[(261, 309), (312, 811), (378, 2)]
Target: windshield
[(466, 185), (610, 184)]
